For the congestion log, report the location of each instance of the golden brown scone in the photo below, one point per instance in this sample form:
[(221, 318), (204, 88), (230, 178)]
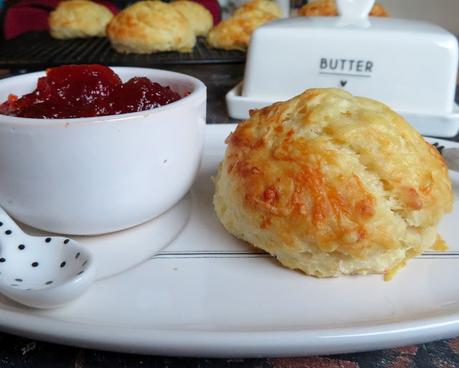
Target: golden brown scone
[(79, 18), (268, 6), (234, 33), (332, 184), (150, 26), (199, 17), (325, 8)]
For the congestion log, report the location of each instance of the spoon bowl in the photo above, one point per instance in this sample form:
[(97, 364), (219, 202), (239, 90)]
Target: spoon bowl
[(41, 272)]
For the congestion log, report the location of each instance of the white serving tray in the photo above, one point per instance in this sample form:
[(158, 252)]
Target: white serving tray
[(431, 125), (208, 294)]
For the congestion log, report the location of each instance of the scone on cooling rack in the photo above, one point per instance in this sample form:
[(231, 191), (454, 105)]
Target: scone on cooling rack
[(198, 16), (150, 26), (267, 6), (79, 19), (234, 33), (332, 184), (325, 8)]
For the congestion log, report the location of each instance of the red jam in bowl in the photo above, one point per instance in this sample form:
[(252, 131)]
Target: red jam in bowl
[(77, 91)]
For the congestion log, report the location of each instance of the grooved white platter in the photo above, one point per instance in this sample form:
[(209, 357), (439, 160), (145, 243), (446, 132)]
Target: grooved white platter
[(208, 294)]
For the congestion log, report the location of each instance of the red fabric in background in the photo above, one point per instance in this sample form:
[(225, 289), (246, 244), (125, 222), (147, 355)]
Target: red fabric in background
[(32, 15)]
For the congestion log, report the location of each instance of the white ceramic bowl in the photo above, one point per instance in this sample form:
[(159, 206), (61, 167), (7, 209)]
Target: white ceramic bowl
[(90, 176)]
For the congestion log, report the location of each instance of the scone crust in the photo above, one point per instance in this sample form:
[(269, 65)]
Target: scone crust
[(327, 8), (150, 26), (267, 6), (234, 33), (332, 184), (200, 18), (79, 19)]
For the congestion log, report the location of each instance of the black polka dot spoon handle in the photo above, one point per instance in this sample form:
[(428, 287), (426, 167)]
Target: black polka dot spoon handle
[(41, 272)]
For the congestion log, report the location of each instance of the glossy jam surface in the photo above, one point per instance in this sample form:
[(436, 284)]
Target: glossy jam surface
[(77, 91)]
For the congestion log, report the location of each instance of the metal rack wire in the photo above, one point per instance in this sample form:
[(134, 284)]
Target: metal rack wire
[(38, 49)]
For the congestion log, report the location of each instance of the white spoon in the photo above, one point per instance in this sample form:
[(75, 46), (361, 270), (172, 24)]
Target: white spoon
[(41, 272)]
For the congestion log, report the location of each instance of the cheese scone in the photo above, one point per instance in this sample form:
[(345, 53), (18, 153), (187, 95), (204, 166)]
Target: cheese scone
[(198, 16), (79, 19), (150, 26), (332, 184), (267, 6), (234, 33), (325, 8)]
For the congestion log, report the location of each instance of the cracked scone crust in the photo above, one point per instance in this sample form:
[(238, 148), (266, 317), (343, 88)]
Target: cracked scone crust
[(79, 19), (332, 184), (150, 26)]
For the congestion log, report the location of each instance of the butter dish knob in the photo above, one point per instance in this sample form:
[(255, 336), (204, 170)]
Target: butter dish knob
[(354, 9)]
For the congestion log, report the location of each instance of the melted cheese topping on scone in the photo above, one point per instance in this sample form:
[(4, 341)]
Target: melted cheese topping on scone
[(332, 184)]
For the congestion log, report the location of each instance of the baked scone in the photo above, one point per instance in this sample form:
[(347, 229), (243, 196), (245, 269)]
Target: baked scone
[(150, 26), (325, 8), (200, 18), (234, 33), (332, 184), (268, 6), (79, 19)]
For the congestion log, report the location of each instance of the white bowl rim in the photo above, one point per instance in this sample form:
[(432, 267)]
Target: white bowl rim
[(199, 89)]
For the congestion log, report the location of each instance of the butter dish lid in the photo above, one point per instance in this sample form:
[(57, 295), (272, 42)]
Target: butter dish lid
[(409, 65), (357, 25)]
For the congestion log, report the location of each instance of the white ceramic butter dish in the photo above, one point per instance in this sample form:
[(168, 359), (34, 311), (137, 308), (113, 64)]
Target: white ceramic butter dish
[(409, 65)]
